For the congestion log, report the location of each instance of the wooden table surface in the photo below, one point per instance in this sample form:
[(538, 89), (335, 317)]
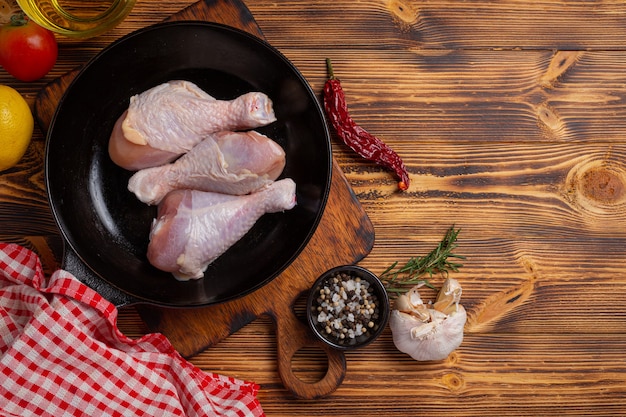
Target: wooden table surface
[(511, 118)]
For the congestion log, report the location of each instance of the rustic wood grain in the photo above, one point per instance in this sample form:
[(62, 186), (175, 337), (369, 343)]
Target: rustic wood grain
[(441, 24), (493, 375), (510, 116)]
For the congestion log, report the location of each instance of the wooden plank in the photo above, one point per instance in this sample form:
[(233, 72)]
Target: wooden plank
[(24, 206), (490, 375), (463, 95), (440, 24)]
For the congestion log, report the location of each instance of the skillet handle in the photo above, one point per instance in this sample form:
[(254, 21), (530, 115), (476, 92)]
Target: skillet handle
[(293, 335), (74, 265)]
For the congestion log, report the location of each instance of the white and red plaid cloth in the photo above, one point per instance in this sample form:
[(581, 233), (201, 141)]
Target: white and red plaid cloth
[(61, 354)]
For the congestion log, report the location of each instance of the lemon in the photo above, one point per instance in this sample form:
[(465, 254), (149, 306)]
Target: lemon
[(16, 127)]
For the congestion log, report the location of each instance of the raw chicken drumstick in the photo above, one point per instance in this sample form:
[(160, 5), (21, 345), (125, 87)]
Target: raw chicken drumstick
[(168, 120), (226, 162), (193, 228)]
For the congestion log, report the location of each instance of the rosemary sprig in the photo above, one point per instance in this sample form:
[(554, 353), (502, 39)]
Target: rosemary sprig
[(439, 260)]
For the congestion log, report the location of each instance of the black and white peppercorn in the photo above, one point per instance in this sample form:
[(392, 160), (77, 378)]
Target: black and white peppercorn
[(346, 308)]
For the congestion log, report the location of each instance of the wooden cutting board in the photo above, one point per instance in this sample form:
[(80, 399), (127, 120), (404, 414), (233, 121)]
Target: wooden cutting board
[(344, 236)]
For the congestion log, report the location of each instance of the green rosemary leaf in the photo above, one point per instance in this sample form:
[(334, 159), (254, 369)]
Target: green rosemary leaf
[(439, 261), (393, 265)]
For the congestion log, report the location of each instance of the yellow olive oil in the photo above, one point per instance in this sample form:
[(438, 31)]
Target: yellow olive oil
[(77, 18)]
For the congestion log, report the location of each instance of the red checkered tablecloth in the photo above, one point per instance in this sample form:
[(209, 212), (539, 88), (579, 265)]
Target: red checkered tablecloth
[(61, 354)]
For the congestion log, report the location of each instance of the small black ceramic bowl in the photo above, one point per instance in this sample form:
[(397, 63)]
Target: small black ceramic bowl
[(347, 307)]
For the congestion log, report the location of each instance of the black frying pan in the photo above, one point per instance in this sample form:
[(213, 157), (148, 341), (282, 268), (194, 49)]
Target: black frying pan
[(105, 228)]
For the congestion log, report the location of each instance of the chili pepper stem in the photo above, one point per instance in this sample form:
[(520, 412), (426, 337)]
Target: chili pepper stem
[(329, 68)]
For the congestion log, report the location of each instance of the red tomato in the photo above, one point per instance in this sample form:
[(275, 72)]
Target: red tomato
[(27, 51)]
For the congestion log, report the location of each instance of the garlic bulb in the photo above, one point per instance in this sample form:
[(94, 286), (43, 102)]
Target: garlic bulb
[(428, 333)]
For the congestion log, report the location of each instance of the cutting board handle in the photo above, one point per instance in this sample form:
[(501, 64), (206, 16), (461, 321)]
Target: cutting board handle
[(293, 335)]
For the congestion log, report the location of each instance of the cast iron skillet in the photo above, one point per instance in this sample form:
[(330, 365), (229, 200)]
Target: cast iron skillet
[(105, 228)]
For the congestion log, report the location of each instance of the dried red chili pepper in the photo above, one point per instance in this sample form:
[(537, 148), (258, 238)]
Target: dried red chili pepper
[(357, 138)]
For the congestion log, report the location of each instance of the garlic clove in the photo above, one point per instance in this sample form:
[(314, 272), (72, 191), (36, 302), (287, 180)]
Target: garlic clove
[(414, 297), (402, 303), (411, 303), (449, 296)]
